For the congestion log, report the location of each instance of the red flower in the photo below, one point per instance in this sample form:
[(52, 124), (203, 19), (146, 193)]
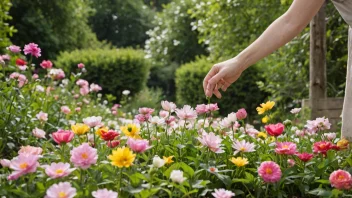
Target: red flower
[(21, 62), (305, 156), (275, 129), (63, 136), (109, 135), (113, 144), (323, 147)]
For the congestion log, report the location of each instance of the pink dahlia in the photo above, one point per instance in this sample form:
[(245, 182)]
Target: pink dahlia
[(80, 65), (138, 146), (186, 113), (24, 163), (61, 190), (213, 107), (42, 116), (65, 110), (58, 170), (341, 179), (318, 124), (202, 108), (212, 141), (222, 193), (146, 110), (275, 129), (243, 146), (305, 157), (63, 136), (84, 156), (46, 64), (323, 147), (84, 90), (30, 150), (92, 121), (168, 106), (82, 83), (270, 172), (104, 193), (287, 148), (14, 48), (241, 114), (95, 88), (32, 49)]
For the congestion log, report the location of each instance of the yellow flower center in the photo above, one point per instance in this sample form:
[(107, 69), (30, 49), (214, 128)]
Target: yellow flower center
[(285, 147), (23, 165), (84, 155), (268, 171), (243, 149), (341, 177), (59, 171), (62, 194)]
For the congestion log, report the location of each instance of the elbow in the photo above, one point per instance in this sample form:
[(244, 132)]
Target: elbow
[(293, 24)]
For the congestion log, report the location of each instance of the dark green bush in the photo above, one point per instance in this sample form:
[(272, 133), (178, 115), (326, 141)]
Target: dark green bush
[(114, 70), (243, 93)]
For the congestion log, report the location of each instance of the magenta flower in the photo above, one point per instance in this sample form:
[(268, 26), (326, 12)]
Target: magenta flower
[(168, 106), (95, 87), (84, 156), (41, 116), (270, 172), (212, 141), (241, 114), (104, 193), (186, 113), (213, 107), (305, 157), (46, 64), (341, 179), (287, 148), (145, 110), (92, 121), (138, 146), (30, 150), (243, 146), (14, 48), (222, 193), (24, 163), (80, 65), (61, 190), (58, 170), (65, 110), (62, 136), (202, 108), (32, 49), (275, 129)]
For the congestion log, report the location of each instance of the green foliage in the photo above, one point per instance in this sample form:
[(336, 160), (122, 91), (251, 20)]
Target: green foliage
[(157, 4), (6, 29), (115, 70), (243, 94), (121, 22), (172, 39), (54, 25)]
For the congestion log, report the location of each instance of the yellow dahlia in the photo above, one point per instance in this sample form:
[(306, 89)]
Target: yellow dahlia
[(80, 129), (122, 157), (265, 107), (239, 161), (131, 130)]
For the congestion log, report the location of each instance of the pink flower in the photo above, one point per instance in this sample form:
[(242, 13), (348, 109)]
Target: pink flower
[(109, 135), (295, 110), (104, 193), (5, 163), (14, 75), (186, 113), (212, 107), (56, 74), (291, 162), (305, 157), (322, 147), (115, 107), (341, 179), (168, 106), (41, 116), (318, 124), (222, 193), (62, 136), (241, 114), (300, 133), (6, 57), (113, 144), (30, 150), (330, 136), (92, 121), (82, 83), (14, 48), (138, 146), (24, 163), (78, 109), (164, 114), (39, 133), (58, 170), (275, 129), (65, 110), (61, 190), (146, 110), (212, 141), (287, 148), (46, 64), (270, 172), (202, 108), (80, 65), (35, 76), (142, 117), (84, 156), (84, 90), (243, 146), (95, 87), (32, 49)]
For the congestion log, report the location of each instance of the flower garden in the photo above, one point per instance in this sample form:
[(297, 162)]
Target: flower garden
[(67, 141)]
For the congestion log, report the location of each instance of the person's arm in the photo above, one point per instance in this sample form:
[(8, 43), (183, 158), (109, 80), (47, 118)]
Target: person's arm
[(280, 32)]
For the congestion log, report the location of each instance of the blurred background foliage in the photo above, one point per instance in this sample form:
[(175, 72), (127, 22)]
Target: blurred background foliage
[(177, 32)]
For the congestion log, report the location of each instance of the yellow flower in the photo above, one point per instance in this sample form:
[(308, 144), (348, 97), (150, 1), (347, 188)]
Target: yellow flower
[(168, 160), (262, 135), (80, 129), (342, 144), (131, 130), (265, 119), (239, 161), (265, 107), (99, 131), (270, 139), (122, 157)]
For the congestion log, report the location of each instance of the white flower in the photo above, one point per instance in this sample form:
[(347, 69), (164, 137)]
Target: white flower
[(126, 92), (39, 133), (92, 121), (168, 106), (158, 162), (330, 136), (177, 176), (156, 120), (295, 110), (232, 117), (225, 123), (39, 88)]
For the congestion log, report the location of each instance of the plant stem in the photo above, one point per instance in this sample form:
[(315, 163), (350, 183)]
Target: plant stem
[(119, 184)]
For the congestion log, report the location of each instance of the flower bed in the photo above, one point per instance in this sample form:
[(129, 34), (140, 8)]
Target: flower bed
[(73, 144)]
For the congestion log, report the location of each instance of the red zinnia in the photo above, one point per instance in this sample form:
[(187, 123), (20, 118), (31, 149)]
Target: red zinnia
[(305, 156), (21, 62), (109, 135), (275, 129)]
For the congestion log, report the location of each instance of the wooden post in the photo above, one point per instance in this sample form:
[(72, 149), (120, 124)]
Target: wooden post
[(317, 72)]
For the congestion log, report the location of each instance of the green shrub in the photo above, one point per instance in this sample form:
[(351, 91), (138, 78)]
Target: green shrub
[(243, 93), (6, 29), (114, 70)]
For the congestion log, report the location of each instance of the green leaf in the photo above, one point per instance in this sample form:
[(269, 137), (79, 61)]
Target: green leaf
[(323, 181), (175, 166), (187, 169), (320, 192)]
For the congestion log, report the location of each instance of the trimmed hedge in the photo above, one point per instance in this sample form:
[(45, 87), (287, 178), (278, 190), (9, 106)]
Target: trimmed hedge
[(113, 69), (243, 93)]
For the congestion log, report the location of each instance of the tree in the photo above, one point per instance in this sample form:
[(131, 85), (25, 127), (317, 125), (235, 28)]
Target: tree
[(6, 29)]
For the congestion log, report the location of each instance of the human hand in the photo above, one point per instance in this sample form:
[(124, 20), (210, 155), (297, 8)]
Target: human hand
[(221, 76)]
